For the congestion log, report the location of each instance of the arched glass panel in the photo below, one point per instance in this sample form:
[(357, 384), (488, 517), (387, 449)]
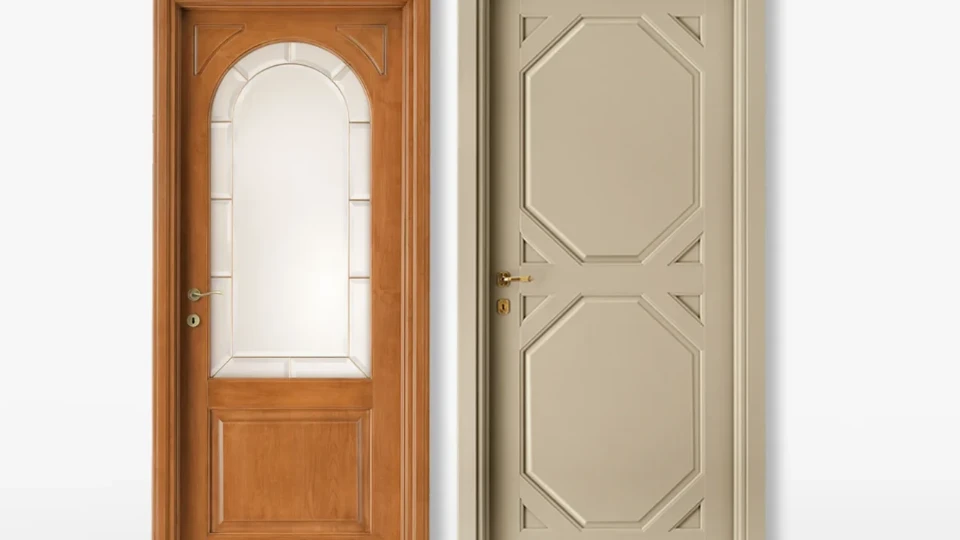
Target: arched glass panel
[(290, 217)]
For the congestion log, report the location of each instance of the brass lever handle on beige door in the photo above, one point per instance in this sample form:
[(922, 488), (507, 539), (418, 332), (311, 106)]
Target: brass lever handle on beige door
[(504, 279), (194, 294)]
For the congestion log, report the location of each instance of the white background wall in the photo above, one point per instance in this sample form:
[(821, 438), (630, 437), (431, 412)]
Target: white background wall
[(864, 411)]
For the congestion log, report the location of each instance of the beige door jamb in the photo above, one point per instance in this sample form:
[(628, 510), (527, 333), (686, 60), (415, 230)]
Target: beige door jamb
[(475, 273)]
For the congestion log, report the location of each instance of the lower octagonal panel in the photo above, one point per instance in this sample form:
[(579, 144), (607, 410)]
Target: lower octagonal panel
[(610, 412)]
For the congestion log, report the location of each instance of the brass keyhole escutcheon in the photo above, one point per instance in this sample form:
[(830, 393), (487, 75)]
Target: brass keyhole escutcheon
[(503, 306), (193, 320)]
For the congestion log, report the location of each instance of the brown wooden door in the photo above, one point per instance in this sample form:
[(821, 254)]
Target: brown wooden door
[(302, 384)]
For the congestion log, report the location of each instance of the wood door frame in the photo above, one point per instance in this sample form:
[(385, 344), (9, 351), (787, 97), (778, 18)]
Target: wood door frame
[(475, 273), (168, 292)]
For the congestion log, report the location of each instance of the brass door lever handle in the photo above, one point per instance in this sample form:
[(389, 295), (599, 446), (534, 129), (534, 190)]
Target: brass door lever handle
[(504, 279), (194, 294)]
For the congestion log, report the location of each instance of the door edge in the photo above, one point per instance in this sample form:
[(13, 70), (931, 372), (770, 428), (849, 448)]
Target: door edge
[(415, 296), (749, 280)]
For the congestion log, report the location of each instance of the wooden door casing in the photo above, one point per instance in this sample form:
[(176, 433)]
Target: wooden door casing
[(375, 430)]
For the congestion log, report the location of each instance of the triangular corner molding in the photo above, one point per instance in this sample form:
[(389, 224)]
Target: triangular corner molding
[(531, 521), (371, 39), (690, 255), (531, 255), (692, 520), (529, 304), (690, 302), (208, 39), (529, 25), (690, 23)]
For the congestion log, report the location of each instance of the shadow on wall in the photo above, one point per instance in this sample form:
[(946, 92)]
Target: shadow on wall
[(774, 382)]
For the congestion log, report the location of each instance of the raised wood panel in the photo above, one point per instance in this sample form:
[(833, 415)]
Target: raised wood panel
[(371, 39), (290, 471), (290, 394), (208, 38)]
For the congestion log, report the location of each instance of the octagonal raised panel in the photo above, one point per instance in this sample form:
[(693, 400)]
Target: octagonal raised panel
[(620, 167), (610, 399)]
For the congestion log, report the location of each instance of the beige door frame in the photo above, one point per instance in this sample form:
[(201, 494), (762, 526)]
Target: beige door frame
[(475, 274)]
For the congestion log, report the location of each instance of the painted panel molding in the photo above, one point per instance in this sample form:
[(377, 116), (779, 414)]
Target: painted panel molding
[(648, 97), (622, 350)]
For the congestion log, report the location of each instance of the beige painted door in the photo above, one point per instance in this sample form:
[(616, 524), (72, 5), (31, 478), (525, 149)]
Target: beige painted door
[(611, 172)]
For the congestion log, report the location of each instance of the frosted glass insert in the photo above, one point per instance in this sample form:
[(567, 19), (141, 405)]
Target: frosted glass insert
[(360, 239), (356, 97), (256, 367), (221, 335), (323, 61), (226, 96), (325, 368), (220, 238), (360, 160), (360, 323), (290, 222), (261, 59), (221, 161)]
